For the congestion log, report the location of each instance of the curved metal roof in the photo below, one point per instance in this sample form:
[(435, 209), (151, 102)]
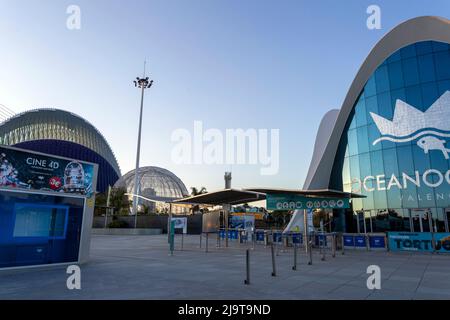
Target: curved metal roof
[(411, 31), (56, 124)]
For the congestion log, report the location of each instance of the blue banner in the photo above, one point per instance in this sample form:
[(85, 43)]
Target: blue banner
[(349, 240), (442, 242), (260, 236), (297, 238), (360, 241), (276, 237), (377, 242), (410, 241)]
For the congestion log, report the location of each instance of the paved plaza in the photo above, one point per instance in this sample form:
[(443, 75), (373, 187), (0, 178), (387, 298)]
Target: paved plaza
[(139, 267)]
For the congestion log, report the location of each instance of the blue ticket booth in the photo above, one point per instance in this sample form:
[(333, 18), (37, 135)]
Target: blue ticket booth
[(46, 209)]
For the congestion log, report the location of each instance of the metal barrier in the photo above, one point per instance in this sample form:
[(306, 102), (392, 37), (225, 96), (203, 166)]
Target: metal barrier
[(367, 241)]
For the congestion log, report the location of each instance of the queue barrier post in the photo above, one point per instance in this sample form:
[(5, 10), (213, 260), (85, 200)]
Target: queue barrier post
[(295, 258), (247, 267), (274, 271)]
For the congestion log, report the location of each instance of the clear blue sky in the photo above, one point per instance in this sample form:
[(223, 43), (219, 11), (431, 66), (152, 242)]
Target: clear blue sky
[(229, 63)]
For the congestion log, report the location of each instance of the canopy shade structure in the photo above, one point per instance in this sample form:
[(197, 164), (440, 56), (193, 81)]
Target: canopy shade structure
[(226, 196), (322, 193)]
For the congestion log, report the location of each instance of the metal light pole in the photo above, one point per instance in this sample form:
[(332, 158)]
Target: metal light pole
[(142, 83)]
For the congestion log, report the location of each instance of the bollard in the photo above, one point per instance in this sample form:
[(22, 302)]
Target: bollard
[(206, 249), (274, 271), (309, 245), (253, 240), (247, 266), (218, 240), (182, 241), (295, 257), (323, 244), (343, 244), (333, 245)]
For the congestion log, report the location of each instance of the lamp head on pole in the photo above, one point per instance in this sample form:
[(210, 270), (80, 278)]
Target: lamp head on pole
[(144, 83)]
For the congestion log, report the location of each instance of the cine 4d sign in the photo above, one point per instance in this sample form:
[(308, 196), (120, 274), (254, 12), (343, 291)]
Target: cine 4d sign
[(296, 202)]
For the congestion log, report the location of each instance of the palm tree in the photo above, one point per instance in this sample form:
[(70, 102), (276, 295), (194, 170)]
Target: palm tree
[(196, 192)]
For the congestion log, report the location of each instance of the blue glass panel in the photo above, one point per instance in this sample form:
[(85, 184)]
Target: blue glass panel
[(352, 142), (414, 96), (390, 162), (406, 163), (410, 72), (377, 163), (408, 52), (423, 47), (443, 86), (371, 106), (440, 46), (382, 79), (363, 142), (370, 87), (396, 75), (360, 113), (426, 68), (442, 62), (430, 94), (374, 134), (396, 56)]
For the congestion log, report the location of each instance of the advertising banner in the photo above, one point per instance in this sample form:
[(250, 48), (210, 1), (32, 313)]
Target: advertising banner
[(442, 242), (20, 169), (180, 223), (410, 241), (293, 202), (377, 241), (243, 222)]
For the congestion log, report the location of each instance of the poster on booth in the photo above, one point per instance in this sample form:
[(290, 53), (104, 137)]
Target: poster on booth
[(20, 169), (181, 223), (243, 222)]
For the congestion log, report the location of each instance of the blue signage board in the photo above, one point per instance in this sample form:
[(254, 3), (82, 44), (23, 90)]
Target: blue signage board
[(293, 202), (349, 240), (442, 242), (360, 241), (410, 241), (277, 236), (260, 236), (377, 242), (234, 234), (297, 238), (321, 240)]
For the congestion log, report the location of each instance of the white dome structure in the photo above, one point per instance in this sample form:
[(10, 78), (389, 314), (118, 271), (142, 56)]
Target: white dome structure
[(156, 184)]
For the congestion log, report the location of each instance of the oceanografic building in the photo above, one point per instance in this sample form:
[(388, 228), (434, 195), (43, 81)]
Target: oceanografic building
[(390, 141), (64, 134)]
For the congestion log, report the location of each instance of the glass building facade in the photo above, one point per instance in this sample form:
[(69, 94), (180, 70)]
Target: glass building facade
[(391, 150)]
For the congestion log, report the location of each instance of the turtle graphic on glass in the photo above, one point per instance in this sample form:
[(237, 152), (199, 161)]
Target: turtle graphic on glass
[(74, 178)]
